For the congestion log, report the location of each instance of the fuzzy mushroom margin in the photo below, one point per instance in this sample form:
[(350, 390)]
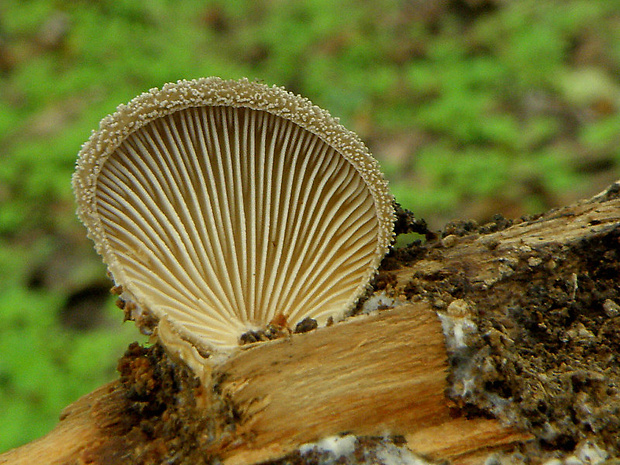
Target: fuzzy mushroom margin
[(215, 92)]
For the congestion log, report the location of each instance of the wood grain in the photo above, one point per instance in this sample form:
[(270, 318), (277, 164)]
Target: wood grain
[(373, 375)]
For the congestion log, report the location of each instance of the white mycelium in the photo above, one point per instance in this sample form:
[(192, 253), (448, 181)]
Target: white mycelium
[(221, 205)]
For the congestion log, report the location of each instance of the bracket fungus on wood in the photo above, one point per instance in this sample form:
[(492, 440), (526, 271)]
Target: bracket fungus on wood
[(222, 206)]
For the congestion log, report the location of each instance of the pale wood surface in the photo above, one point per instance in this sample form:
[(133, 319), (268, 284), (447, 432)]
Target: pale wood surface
[(463, 441), (80, 426), (368, 376)]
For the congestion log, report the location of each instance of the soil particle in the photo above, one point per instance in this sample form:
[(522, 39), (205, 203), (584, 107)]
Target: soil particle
[(406, 222), (268, 333), (305, 325), (162, 421)]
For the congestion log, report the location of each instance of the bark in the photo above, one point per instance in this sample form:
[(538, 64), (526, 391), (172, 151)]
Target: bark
[(499, 338)]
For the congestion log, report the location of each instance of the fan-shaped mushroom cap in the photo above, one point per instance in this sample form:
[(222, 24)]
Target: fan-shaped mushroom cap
[(220, 205)]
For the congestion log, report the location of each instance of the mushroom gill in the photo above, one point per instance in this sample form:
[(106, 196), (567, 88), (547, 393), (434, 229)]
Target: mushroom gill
[(223, 205)]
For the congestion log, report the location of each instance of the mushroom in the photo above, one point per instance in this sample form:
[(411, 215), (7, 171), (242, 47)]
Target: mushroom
[(221, 206)]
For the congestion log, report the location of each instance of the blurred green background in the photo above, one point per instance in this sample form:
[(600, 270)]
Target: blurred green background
[(473, 107)]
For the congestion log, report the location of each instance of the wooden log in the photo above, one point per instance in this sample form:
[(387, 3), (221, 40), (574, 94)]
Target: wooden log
[(371, 375), (81, 425)]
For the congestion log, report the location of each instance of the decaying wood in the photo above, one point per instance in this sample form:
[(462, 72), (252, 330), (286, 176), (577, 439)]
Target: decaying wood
[(372, 375), (386, 373), (463, 441), (79, 428), (376, 374), (485, 258)]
